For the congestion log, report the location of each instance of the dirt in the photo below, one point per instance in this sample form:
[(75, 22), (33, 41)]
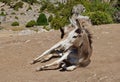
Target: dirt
[(17, 51)]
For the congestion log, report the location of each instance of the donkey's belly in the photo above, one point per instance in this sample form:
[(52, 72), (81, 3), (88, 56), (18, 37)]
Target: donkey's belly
[(73, 57), (73, 61)]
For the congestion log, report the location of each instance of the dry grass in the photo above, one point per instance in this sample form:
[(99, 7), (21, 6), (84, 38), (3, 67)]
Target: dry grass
[(16, 28), (34, 29)]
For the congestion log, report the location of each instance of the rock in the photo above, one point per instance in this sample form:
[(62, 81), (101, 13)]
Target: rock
[(77, 14), (78, 9), (117, 16), (83, 17), (27, 41), (2, 18), (2, 4), (61, 1), (26, 32)]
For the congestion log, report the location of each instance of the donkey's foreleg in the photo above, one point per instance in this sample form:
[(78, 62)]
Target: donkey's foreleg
[(65, 67), (47, 58), (57, 62), (38, 58), (71, 68), (47, 52)]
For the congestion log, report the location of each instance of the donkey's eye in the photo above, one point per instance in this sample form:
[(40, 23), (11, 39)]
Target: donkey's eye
[(74, 36)]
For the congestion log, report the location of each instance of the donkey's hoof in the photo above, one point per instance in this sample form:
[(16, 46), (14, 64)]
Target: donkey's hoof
[(42, 60), (39, 69), (32, 62), (62, 69)]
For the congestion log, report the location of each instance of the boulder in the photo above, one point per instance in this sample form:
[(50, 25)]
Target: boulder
[(26, 32), (61, 1), (2, 18), (117, 16), (78, 9)]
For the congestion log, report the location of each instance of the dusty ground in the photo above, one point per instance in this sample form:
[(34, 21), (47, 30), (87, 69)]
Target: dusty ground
[(17, 51)]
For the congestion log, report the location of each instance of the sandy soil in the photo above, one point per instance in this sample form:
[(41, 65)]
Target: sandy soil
[(17, 51)]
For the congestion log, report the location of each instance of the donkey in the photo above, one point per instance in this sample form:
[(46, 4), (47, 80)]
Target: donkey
[(75, 50)]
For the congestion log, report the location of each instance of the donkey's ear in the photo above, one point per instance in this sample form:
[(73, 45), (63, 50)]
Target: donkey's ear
[(73, 22), (78, 24)]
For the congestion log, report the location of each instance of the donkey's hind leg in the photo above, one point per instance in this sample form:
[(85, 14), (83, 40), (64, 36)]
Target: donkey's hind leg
[(85, 63)]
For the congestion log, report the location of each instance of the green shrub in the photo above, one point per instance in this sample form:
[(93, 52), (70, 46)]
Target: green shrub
[(50, 7), (50, 18), (18, 5), (66, 12), (22, 13), (2, 9), (55, 23), (59, 22), (98, 5), (13, 13), (15, 23), (2, 14), (6, 1), (29, 8), (62, 12), (118, 5), (1, 28), (16, 17), (30, 1), (99, 17), (31, 23), (46, 28), (42, 20), (44, 6)]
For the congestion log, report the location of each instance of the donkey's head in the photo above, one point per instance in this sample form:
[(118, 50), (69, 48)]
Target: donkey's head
[(83, 20), (75, 37)]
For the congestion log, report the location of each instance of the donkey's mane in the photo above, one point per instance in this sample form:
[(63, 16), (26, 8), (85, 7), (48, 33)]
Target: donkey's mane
[(89, 36)]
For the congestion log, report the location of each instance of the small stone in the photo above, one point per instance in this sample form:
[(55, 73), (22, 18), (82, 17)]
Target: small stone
[(27, 41)]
